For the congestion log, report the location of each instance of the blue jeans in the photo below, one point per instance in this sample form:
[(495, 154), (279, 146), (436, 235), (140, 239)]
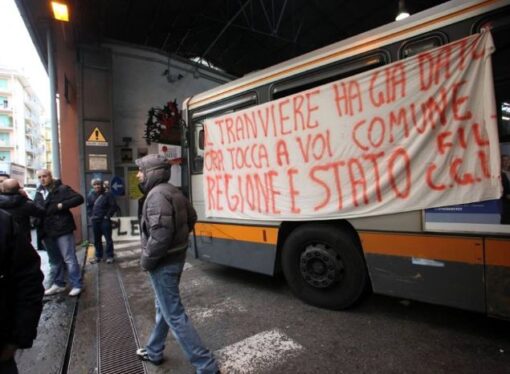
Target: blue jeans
[(103, 228), (170, 313), (56, 262), (67, 248)]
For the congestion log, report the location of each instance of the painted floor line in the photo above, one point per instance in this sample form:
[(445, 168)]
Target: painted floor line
[(257, 354)]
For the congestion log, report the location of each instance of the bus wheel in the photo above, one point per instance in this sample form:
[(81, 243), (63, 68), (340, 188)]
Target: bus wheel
[(324, 266)]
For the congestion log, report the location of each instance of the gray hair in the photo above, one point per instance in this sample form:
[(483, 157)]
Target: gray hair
[(96, 181)]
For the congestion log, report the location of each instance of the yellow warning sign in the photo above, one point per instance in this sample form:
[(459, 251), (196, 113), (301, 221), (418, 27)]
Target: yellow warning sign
[(97, 138)]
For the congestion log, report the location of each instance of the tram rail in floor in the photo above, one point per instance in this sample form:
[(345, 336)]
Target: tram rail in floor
[(116, 334)]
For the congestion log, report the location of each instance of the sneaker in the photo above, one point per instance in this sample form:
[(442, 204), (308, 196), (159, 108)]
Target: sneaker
[(75, 292), (95, 260), (144, 356), (109, 260), (54, 289)]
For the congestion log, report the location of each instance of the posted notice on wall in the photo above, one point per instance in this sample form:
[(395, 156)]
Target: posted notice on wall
[(98, 162), (172, 153), (416, 134)]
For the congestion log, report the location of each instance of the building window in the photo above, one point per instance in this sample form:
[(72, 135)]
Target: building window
[(5, 156), (5, 121), (4, 140), (4, 84)]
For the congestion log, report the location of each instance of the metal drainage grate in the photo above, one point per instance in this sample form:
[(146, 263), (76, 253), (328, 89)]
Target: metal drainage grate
[(117, 340)]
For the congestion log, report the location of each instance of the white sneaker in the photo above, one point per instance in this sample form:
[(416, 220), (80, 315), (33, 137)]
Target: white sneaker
[(54, 289), (75, 292)]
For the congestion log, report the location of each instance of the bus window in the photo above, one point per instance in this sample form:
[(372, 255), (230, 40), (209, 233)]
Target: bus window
[(198, 118), (424, 43), (499, 25), (198, 146), (504, 120), (201, 140), (496, 23), (328, 74)]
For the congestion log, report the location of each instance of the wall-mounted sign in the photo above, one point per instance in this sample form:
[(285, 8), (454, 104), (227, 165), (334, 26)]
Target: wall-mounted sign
[(97, 138), (133, 190), (125, 228), (98, 162), (126, 155), (117, 186)]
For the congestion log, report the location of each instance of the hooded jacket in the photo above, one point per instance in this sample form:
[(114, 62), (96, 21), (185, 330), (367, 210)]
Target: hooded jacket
[(58, 222), (167, 218), (21, 209), (21, 288)]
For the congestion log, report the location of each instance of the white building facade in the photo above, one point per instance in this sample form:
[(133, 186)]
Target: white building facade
[(22, 135)]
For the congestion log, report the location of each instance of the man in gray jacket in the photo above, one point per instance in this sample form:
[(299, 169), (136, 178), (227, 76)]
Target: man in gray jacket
[(167, 219)]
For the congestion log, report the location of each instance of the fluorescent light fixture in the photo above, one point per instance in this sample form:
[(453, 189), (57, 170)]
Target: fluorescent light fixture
[(402, 11), (60, 11)]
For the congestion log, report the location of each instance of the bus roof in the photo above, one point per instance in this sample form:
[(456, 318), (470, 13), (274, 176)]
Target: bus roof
[(416, 24)]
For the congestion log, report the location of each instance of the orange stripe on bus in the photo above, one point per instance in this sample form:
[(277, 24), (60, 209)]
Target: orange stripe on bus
[(497, 252), (336, 55), (445, 248), (256, 234)]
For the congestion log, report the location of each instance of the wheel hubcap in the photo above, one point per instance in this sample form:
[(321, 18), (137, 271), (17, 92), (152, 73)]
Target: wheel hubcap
[(320, 266)]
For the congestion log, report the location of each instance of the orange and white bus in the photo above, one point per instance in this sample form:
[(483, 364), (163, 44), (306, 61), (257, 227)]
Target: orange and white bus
[(408, 244)]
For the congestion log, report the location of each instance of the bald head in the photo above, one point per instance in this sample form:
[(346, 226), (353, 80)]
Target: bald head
[(45, 177), (10, 186)]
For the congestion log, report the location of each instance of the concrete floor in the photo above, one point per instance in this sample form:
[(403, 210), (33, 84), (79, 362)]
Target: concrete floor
[(254, 325), (49, 349)]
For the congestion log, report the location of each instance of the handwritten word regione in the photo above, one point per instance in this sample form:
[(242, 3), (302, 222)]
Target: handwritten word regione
[(415, 134)]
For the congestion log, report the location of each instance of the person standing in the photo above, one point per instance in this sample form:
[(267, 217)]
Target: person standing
[(166, 221), (19, 206), (57, 228), (101, 206), (21, 293)]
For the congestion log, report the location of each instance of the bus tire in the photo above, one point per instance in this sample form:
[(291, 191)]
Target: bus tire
[(324, 266)]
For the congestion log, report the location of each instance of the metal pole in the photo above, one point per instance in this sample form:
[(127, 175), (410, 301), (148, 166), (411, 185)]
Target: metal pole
[(55, 147)]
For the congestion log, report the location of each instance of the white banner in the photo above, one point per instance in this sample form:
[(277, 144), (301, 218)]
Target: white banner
[(419, 133)]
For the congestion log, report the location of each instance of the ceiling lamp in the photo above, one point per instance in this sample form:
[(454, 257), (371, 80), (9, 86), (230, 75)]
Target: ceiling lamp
[(60, 11), (402, 11)]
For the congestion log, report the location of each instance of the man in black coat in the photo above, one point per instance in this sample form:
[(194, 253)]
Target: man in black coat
[(19, 206), (101, 206), (21, 293), (57, 228)]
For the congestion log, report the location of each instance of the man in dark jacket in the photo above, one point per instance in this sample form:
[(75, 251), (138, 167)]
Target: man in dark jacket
[(19, 206), (167, 219), (57, 228), (101, 206), (21, 293)]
